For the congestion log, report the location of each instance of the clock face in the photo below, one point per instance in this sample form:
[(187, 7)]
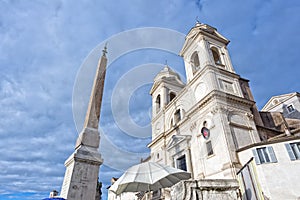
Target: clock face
[(205, 132)]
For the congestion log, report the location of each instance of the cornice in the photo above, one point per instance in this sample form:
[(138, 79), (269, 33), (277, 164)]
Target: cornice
[(292, 95), (203, 34), (210, 67), (213, 95), (156, 139), (283, 139), (163, 81), (214, 37)]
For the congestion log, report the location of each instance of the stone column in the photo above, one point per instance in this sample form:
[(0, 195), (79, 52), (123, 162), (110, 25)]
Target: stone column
[(165, 96), (206, 51)]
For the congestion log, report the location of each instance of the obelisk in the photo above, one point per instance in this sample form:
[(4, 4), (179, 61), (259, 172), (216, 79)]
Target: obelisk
[(82, 167)]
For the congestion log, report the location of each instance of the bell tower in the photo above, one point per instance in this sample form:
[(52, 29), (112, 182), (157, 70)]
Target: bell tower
[(207, 63), (224, 116), (205, 46), (167, 85)]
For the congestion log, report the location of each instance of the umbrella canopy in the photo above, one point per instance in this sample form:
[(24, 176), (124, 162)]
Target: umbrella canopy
[(148, 176)]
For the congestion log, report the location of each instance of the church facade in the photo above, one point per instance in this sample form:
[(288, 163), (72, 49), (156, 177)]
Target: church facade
[(209, 118), (211, 126)]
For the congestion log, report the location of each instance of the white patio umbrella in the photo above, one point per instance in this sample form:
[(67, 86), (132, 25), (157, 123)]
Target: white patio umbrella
[(148, 176)]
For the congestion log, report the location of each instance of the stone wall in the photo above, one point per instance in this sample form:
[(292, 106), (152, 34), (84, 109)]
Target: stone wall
[(206, 189)]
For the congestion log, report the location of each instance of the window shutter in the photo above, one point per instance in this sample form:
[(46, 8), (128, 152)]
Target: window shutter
[(290, 151), (272, 154), (256, 156)]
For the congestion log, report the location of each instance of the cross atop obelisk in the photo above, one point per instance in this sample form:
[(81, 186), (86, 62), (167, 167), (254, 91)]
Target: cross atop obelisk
[(82, 167)]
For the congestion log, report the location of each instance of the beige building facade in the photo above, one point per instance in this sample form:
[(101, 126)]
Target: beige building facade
[(274, 169)]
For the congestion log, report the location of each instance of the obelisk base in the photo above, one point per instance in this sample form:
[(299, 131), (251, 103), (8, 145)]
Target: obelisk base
[(80, 181)]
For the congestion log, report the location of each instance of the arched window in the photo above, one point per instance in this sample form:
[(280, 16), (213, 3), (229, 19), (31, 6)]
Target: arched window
[(172, 96), (177, 116), (157, 103), (216, 55), (195, 62)]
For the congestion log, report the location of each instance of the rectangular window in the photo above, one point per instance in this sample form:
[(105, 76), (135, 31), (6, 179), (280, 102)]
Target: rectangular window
[(209, 148), (290, 108), (264, 155), (181, 163), (293, 150), (227, 86)]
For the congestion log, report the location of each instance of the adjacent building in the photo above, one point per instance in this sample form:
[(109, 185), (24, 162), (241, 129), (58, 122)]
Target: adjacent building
[(287, 104)]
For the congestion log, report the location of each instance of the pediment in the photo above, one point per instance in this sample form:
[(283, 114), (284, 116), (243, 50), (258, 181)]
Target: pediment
[(277, 100), (177, 139), (167, 81), (202, 29), (154, 86)]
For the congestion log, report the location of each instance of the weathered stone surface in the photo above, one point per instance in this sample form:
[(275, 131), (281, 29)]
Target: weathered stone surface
[(225, 189), (88, 137), (93, 113), (81, 175)]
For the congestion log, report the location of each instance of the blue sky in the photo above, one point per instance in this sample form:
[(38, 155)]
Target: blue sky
[(44, 43)]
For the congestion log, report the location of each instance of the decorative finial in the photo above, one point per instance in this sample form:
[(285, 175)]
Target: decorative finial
[(104, 50), (166, 62)]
